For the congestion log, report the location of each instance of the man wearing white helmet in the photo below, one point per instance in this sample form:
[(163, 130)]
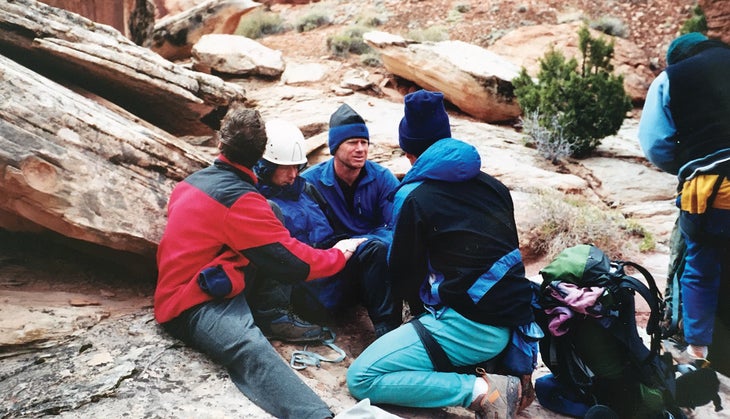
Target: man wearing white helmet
[(304, 212), (221, 243)]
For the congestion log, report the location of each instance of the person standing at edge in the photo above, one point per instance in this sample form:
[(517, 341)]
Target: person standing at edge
[(685, 130), (455, 260), (365, 277), (357, 192), (221, 240)]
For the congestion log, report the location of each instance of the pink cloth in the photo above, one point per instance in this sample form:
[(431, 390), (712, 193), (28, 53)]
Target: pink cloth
[(559, 316), (578, 299), (582, 300)]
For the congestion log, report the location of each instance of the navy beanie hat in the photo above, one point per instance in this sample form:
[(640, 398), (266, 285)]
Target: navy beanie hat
[(345, 123), (425, 121), (682, 47)]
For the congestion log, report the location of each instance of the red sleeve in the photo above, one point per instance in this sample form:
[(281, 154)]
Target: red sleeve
[(254, 225)]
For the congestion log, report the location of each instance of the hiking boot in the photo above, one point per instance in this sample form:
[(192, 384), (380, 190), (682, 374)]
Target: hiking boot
[(690, 357), (502, 399), (287, 326)]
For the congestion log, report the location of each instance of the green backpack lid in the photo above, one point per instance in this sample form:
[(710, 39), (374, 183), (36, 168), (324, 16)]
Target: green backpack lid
[(582, 265)]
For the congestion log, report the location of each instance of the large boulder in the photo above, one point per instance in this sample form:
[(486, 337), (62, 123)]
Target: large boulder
[(84, 170), (525, 46), (475, 80), (70, 49), (133, 18), (234, 54), (173, 36)]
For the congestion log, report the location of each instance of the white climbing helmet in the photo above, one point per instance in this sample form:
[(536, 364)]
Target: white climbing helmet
[(285, 145)]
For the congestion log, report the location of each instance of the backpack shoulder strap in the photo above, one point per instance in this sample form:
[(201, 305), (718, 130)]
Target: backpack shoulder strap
[(649, 292), (312, 191), (674, 301), (316, 195), (438, 356)]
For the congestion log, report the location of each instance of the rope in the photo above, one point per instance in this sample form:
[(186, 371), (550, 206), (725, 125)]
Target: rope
[(304, 358)]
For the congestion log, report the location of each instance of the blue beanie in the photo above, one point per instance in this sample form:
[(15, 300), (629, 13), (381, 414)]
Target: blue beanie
[(345, 123), (682, 47), (425, 121)]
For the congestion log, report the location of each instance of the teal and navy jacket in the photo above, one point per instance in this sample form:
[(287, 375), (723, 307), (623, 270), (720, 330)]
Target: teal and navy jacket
[(372, 208), (455, 240)]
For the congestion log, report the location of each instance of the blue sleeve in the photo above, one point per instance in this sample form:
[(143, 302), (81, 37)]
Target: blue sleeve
[(656, 127), (390, 182)]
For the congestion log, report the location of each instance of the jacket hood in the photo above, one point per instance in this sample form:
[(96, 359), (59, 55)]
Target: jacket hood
[(287, 193), (449, 160)]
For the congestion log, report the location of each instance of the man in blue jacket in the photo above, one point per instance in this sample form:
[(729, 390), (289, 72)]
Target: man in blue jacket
[(355, 188), (455, 259), (365, 278), (685, 130)]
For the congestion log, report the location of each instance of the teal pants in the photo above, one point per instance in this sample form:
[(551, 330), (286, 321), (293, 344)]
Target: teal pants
[(395, 369)]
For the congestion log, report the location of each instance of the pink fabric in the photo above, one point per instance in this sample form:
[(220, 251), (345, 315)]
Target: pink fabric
[(559, 317), (579, 299), (582, 300)]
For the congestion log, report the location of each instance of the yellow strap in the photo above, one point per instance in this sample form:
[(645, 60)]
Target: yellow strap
[(695, 193)]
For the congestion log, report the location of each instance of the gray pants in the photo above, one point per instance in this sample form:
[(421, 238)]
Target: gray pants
[(225, 331)]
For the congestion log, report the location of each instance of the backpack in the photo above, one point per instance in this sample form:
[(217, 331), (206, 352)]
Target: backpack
[(592, 346)]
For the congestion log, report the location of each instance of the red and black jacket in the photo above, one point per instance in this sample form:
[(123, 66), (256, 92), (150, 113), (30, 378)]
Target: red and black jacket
[(216, 217)]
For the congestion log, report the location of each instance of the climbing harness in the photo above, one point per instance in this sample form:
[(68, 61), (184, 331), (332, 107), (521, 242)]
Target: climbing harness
[(304, 358)]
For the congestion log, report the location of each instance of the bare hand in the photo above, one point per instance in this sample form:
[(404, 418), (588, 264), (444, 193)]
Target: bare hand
[(348, 246)]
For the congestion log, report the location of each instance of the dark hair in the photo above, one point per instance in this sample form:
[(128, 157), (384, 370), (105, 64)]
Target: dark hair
[(242, 136)]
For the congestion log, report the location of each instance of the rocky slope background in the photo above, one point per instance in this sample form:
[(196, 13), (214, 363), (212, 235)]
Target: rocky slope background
[(77, 336)]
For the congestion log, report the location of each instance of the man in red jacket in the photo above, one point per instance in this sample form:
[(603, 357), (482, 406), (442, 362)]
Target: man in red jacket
[(221, 246)]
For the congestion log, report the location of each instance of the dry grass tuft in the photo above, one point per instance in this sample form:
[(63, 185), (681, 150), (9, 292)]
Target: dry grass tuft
[(569, 221)]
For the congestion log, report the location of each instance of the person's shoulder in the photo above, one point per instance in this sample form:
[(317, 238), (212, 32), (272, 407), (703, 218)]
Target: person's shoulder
[(374, 164), (493, 182), (224, 187), (313, 171), (377, 168)]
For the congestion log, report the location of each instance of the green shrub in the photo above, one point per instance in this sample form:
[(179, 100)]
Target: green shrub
[(371, 17), (463, 7), (637, 230), (313, 20), (588, 102), (371, 59), (259, 23), (696, 23), (348, 41), (610, 26)]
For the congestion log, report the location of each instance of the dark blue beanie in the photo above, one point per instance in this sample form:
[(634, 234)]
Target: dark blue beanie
[(425, 121), (682, 47), (345, 123)]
